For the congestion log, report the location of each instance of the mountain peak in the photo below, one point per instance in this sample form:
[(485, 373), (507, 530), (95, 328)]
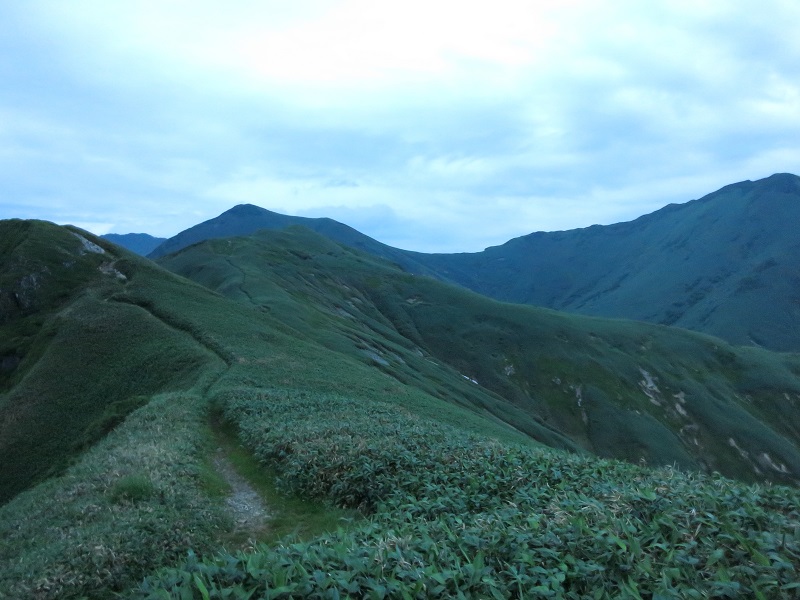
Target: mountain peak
[(242, 219), (782, 183), (246, 209)]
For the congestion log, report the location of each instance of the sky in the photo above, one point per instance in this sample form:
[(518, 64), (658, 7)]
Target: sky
[(437, 126)]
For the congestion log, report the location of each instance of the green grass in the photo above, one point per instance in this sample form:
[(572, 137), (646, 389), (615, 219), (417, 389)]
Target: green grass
[(86, 362), (459, 515), (290, 515), (429, 336), (132, 488), (350, 400), (130, 504), (211, 480)]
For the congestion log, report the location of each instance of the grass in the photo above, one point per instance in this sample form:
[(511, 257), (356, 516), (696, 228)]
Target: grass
[(85, 362), (130, 504), (290, 515), (457, 515), (451, 494), (430, 336), (136, 487)]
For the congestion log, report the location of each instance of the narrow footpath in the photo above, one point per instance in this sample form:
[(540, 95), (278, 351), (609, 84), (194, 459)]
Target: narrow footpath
[(248, 510)]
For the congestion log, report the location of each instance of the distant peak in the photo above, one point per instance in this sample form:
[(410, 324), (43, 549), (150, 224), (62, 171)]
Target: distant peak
[(781, 183), (786, 183), (244, 209)]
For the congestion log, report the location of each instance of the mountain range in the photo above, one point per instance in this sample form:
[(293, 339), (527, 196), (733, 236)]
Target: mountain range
[(724, 264), (616, 388), (140, 243), (457, 444)]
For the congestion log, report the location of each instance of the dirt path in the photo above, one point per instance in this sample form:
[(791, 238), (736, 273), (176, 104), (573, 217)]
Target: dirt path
[(248, 510)]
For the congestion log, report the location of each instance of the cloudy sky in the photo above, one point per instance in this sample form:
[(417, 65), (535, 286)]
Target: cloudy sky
[(429, 125)]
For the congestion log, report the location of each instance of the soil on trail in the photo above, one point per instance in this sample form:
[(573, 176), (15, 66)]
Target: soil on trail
[(247, 509)]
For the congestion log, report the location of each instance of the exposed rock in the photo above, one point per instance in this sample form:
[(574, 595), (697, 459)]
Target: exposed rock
[(89, 246)]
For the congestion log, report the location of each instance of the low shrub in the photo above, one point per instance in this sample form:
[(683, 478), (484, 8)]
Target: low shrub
[(457, 515)]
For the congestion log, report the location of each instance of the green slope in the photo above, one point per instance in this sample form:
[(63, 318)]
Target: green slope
[(85, 348), (302, 280), (90, 331), (74, 362), (725, 265), (332, 382), (245, 219), (616, 388)]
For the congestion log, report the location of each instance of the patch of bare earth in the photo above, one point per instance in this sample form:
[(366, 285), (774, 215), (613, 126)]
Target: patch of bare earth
[(247, 509)]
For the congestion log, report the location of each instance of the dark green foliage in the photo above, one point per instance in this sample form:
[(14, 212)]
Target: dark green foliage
[(290, 513), (132, 488), (113, 415), (456, 515)]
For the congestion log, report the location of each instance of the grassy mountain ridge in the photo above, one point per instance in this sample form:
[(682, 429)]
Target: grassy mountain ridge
[(245, 219), (317, 303), (110, 404), (724, 265), (318, 358), (616, 388), (74, 362), (90, 332)]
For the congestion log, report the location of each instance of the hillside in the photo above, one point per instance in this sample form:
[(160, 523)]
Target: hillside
[(74, 363), (245, 219), (89, 332), (109, 366), (619, 389), (724, 265), (421, 410)]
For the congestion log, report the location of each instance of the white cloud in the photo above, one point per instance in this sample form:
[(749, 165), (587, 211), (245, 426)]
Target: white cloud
[(488, 120)]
